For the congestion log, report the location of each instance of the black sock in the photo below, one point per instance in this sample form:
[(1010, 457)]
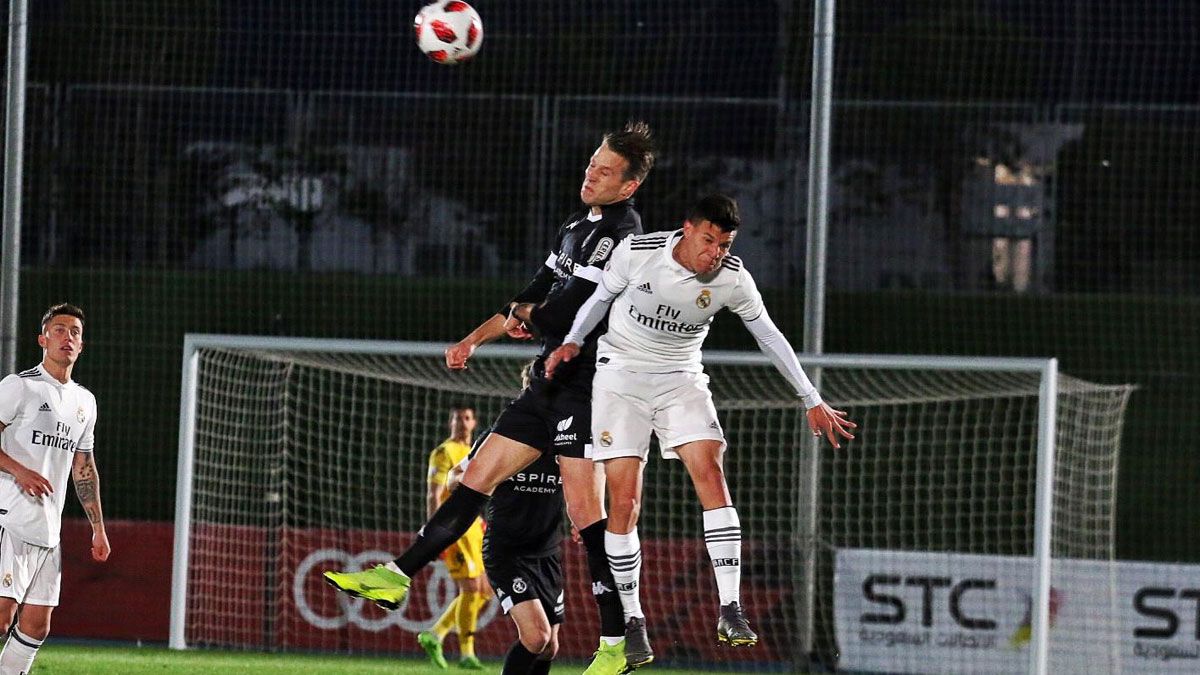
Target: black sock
[(449, 522), (612, 619), (519, 660), (540, 667)]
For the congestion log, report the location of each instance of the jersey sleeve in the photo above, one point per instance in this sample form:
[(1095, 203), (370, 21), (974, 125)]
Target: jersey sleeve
[(614, 280), (87, 442), (746, 301), (439, 465), (12, 396), (555, 315), (616, 273)]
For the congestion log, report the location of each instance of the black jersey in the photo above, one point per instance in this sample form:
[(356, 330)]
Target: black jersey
[(581, 250), (525, 514)]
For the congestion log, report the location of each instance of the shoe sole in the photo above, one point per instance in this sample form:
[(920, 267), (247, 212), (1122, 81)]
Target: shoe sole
[(382, 604), (737, 642), (630, 667)]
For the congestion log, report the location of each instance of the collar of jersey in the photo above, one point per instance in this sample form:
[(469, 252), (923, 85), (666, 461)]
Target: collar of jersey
[(50, 378), (623, 205)]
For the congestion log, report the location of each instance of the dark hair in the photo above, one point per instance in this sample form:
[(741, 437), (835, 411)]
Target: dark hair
[(460, 406), (635, 143), (59, 310), (718, 209)]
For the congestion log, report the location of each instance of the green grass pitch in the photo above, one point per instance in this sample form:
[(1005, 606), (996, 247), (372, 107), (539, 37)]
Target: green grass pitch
[(56, 659)]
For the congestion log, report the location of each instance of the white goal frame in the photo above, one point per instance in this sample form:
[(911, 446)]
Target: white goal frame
[(1045, 368)]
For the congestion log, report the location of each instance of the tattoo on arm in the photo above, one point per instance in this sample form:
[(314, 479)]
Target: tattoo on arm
[(87, 488)]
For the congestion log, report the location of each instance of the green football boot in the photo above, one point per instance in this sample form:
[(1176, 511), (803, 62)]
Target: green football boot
[(608, 659), (433, 647), (378, 584)]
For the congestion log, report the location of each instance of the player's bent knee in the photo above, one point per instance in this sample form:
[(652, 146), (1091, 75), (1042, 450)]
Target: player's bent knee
[(584, 515), (36, 626), (536, 639)]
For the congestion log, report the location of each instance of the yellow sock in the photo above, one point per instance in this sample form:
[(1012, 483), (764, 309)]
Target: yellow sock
[(445, 623), (468, 616)]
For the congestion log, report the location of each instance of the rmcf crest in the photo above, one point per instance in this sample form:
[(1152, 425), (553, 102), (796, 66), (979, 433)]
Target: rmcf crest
[(605, 438), (704, 299), (7, 579), (79, 415)]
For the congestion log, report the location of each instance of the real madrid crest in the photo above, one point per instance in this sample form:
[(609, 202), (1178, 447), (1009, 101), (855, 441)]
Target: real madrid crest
[(79, 414), (8, 579), (605, 438), (704, 299)]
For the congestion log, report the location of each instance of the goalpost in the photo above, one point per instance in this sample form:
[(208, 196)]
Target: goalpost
[(968, 528)]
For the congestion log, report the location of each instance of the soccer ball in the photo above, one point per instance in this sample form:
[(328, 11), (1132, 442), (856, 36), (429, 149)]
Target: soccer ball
[(448, 31)]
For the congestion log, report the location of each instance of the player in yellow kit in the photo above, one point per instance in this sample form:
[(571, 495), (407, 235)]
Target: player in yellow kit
[(464, 558)]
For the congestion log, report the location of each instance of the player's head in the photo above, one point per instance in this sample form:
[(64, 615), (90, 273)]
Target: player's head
[(462, 420), (619, 166), (708, 233), (61, 338)]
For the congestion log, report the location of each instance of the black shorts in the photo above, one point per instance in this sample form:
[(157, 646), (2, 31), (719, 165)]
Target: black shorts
[(549, 418), (520, 578)]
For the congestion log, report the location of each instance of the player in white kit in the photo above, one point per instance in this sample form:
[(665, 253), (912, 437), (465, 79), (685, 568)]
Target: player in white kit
[(664, 289), (47, 424)]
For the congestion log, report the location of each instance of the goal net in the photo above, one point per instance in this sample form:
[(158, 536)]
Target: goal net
[(917, 550)]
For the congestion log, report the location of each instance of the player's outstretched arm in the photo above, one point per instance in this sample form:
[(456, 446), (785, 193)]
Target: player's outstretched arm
[(823, 420), (87, 488), (458, 353)]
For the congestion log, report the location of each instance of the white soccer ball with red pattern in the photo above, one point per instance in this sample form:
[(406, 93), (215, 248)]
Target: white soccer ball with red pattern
[(449, 31)]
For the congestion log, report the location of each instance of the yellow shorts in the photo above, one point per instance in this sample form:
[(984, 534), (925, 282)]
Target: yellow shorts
[(464, 558)]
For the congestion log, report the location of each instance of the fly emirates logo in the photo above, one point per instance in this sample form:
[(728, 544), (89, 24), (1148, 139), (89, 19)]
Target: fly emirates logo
[(60, 439)]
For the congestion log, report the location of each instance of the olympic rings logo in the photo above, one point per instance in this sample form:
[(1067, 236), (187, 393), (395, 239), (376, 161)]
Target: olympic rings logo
[(439, 591)]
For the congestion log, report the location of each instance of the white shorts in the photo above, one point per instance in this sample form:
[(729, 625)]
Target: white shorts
[(627, 406), (29, 573)]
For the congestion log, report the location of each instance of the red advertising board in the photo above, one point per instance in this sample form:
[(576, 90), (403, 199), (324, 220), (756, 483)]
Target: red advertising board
[(257, 589)]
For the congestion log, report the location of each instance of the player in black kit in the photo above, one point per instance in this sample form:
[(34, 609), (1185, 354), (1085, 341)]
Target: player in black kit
[(521, 552), (548, 416)]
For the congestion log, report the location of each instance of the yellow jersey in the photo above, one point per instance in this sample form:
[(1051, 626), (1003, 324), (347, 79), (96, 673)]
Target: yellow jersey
[(445, 457)]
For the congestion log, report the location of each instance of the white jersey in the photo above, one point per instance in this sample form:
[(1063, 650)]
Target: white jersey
[(47, 423), (660, 322)]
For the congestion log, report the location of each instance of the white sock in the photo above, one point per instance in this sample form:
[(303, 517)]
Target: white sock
[(723, 538), (625, 560), (18, 654), (610, 641)]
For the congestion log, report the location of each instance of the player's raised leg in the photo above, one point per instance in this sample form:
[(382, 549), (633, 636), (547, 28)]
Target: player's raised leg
[(387, 585), (722, 536)]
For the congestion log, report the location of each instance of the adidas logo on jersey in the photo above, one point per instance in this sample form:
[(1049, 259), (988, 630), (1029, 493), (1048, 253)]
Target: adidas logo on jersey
[(45, 407), (645, 288)]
